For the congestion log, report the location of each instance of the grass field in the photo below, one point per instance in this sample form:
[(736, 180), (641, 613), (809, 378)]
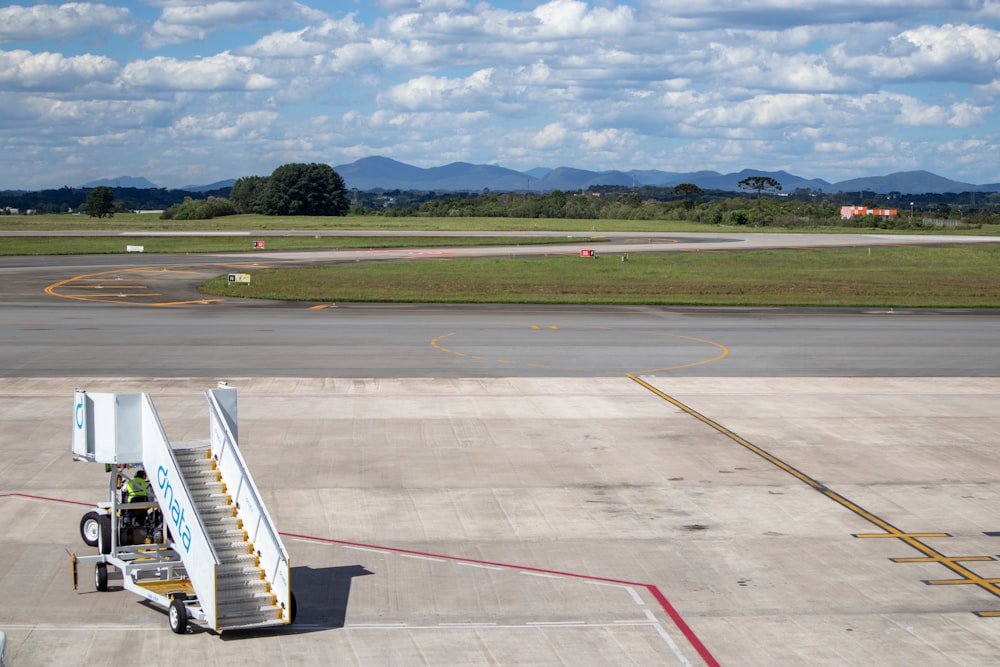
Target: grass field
[(943, 276), (132, 222), (940, 277), (101, 245)]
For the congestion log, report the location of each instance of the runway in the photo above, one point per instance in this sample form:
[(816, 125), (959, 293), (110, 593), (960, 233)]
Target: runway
[(472, 485)]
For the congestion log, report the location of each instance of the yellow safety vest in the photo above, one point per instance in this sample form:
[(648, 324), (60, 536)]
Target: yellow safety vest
[(136, 490)]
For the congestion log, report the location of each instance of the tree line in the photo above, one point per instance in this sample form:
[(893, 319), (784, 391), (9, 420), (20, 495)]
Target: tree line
[(317, 189)]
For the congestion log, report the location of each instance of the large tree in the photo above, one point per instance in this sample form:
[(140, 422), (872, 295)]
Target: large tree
[(305, 189), (100, 202), (247, 194), (688, 190), (760, 184)]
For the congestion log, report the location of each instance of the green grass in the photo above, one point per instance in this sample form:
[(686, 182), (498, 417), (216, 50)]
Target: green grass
[(942, 277), (133, 222), (99, 245)]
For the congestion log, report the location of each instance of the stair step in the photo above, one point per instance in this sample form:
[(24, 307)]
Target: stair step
[(229, 611), (210, 500), (247, 594), (236, 570), (263, 618)]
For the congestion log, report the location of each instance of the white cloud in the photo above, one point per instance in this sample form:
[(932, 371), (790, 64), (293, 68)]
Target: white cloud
[(224, 72), (551, 136), (772, 13), (24, 70), (931, 53), (309, 41), (223, 126), (610, 84), (72, 19), (188, 21)]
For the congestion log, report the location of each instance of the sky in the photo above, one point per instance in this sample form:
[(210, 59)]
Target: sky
[(190, 93)]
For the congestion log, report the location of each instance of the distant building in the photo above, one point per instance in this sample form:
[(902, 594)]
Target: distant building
[(848, 212)]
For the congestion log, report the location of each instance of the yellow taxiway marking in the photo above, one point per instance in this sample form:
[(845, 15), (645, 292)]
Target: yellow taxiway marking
[(932, 559), (930, 555), (438, 344), (113, 293)]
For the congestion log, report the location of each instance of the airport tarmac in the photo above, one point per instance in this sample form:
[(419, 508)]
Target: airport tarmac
[(539, 521)]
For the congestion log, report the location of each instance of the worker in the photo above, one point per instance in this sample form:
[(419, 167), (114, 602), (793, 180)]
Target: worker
[(137, 488)]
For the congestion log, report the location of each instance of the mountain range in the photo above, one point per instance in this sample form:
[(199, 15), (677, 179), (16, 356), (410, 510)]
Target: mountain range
[(382, 173)]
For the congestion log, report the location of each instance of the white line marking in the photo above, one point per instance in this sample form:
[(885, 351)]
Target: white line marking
[(467, 625), (556, 623), (650, 616), (633, 621), (635, 596), (433, 560), (485, 567), (374, 551), (540, 574), (672, 645), (376, 626)]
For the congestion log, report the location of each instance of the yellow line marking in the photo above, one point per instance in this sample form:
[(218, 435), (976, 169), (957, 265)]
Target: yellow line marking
[(875, 536), (930, 559), (105, 286), (721, 355), (968, 576), (436, 344), (114, 292)]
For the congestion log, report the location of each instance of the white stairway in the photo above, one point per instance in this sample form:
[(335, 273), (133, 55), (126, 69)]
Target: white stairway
[(243, 596)]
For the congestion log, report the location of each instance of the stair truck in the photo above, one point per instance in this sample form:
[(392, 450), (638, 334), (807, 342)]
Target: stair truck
[(202, 546)]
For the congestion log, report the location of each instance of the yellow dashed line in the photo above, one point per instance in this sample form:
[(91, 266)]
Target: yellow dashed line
[(931, 555)]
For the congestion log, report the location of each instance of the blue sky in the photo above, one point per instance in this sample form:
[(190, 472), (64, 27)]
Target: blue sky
[(190, 93)]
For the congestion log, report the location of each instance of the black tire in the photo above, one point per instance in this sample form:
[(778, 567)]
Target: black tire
[(89, 528), (104, 534), (292, 607), (101, 577), (177, 615)]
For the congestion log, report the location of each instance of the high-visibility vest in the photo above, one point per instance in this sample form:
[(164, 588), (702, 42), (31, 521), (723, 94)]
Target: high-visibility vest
[(136, 489)]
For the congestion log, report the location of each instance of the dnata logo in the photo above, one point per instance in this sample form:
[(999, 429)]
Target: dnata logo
[(173, 507), (79, 415)]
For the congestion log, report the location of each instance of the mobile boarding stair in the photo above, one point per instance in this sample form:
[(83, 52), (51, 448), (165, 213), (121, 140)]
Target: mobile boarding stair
[(220, 559)]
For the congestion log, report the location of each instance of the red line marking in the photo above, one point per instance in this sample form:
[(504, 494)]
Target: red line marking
[(51, 500), (658, 595), (660, 598)]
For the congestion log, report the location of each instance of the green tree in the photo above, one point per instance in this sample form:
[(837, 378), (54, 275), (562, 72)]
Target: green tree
[(247, 194), (688, 190), (305, 189), (100, 202), (760, 184)]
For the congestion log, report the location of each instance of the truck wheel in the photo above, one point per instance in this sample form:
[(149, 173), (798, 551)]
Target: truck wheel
[(89, 528), (104, 533), (101, 577), (292, 607), (178, 616)]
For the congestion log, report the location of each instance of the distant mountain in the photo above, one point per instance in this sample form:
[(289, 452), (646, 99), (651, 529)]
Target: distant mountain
[(218, 185), (567, 178), (374, 173), (382, 173), (122, 182), (537, 172), (715, 181), (909, 182)]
